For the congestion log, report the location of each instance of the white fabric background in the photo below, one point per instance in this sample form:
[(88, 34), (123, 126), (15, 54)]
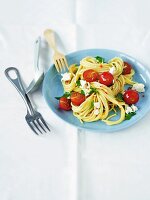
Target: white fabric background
[(70, 164)]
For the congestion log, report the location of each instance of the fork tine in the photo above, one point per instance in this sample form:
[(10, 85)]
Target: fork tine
[(29, 123), (40, 125), (41, 118), (56, 65), (65, 61), (36, 126), (62, 64), (59, 64)]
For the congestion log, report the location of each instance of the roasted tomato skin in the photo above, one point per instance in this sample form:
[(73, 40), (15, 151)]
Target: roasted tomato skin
[(64, 103), (106, 78), (90, 75), (77, 98), (127, 68), (131, 96)]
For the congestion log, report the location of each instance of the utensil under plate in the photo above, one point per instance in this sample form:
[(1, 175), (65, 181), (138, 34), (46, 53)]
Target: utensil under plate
[(39, 71)]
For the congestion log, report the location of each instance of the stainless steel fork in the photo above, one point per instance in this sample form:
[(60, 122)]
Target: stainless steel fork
[(33, 118)]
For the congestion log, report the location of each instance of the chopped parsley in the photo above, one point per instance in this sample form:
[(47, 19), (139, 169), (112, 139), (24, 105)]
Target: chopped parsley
[(78, 83), (99, 59), (82, 92), (57, 98), (119, 97), (92, 104), (93, 90), (129, 115), (66, 94)]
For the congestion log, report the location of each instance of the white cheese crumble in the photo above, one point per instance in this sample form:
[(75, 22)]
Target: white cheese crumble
[(97, 104), (128, 110), (133, 108), (66, 76), (112, 70), (96, 111), (139, 87), (86, 91), (83, 83), (96, 108), (85, 86)]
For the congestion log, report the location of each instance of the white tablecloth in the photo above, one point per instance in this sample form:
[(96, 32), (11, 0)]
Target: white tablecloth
[(70, 164)]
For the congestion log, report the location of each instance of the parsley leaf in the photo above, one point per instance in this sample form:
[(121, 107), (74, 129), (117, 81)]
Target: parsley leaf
[(82, 92), (92, 104), (129, 115), (99, 59), (66, 94), (58, 98), (78, 83), (119, 97), (93, 90)]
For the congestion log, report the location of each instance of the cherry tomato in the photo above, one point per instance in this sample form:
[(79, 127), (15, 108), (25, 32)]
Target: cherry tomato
[(131, 96), (64, 103), (106, 78), (127, 68), (90, 75), (77, 98)]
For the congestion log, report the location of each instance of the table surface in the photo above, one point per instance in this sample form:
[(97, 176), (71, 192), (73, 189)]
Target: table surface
[(70, 164)]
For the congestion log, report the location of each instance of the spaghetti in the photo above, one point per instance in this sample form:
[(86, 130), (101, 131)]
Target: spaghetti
[(100, 101)]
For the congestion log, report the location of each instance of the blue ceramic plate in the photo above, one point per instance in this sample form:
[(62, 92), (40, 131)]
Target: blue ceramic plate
[(52, 88)]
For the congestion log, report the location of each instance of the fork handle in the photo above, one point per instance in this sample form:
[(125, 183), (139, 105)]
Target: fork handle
[(50, 38), (36, 53), (17, 82)]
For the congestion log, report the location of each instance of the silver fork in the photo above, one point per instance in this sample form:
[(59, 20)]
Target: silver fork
[(33, 118)]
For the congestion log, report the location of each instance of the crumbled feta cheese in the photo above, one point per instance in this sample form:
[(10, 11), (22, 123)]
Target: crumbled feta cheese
[(97, 104), (139, 87), (86, 91), (88, 85), (134, 108), (83, 83), (66, 76), (96, 111), (128, 110), (85, 87), (112, 70)]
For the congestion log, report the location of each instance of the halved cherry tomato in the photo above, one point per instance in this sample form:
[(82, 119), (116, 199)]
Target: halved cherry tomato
[(106, 78), (77, 98), (131, 96), (64, 103), (127, 68), (90, 75)]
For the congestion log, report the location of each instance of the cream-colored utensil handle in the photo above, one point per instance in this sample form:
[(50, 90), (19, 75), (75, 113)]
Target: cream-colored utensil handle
[(50, 38)]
